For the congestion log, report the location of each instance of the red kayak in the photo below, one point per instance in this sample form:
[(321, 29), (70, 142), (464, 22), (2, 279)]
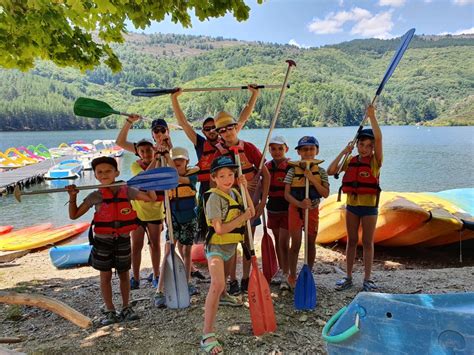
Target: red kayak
[(27, 231), (5, 229)]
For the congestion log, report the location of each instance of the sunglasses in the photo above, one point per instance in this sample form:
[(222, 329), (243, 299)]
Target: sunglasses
[(159, 129), (228, 128), (209, 128)]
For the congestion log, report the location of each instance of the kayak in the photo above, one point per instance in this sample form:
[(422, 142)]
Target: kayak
[(382, 323), (5, 229), (462, 198), (26, 231), (67, 256), (43, 238), (67, 169)]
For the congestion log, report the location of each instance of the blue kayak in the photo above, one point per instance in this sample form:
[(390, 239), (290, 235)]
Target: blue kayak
[(463, 198), (67, 256), (380, 323)]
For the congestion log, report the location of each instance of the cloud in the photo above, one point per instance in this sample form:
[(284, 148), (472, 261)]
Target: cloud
[(366, 24), (467, 31), (394, 3), (292, 42), (463, 2)]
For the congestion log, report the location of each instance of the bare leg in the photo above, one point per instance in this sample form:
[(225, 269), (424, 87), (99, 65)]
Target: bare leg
[(155, 247), (137, 246), (368, 230), (187, 259), (352, 227), (124, 288), (106, 289), (276, 236), (295, 236), (284, 246)]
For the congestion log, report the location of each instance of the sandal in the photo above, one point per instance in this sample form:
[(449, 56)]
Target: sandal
[(210, 346), (343, 284), (369, 286)]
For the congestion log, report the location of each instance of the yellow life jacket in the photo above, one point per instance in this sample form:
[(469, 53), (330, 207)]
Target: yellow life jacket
[(235, 210), (299, 181)]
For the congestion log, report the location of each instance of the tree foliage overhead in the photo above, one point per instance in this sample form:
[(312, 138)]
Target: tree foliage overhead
[(61, 30)]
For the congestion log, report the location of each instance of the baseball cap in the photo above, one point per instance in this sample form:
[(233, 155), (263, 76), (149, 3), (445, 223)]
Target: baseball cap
[(278, 140), (143, 141), (179, 153), (207, 119), (368, 133), (307, 140), (104, 160), (159, 122), (222, 162), (224, 119)]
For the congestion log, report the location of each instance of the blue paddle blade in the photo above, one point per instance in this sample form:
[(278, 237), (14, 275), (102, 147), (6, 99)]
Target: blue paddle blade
[(158, 179), (305, 290), (396, 58)]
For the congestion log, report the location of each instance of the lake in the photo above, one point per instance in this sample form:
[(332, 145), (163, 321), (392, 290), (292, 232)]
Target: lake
[(415, 159)]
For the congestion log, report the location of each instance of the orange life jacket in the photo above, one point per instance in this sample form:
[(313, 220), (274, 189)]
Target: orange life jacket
[(115, 215), (276, 196), (359, 178), (205, 161), (248, 169)]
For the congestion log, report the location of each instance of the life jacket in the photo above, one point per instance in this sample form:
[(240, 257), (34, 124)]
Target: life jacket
[(359, 179), (298, 185), (160, 195), (276, 196), (248, 169), (235, 210), (183, 198), (205, 161), (115, 215)]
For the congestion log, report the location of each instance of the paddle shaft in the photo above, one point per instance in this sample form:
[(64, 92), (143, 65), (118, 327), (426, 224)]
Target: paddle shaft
[(153, 92), (306, 217)]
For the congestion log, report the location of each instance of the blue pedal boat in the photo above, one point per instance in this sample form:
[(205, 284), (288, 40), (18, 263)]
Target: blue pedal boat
[(379, 323), (67, 256)]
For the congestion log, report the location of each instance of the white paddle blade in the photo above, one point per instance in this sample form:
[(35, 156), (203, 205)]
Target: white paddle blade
[(175, 282)]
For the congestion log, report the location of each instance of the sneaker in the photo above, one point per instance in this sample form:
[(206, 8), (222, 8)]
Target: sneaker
[(193, 290), (234, 288), (369, 286), (344, 284), (160, 300), (277, 279), (228, 300), (285, 286), (110, 317), (134, 284), (155, 282), (198, 275), (244, 285), (128, 314), (150, 278)]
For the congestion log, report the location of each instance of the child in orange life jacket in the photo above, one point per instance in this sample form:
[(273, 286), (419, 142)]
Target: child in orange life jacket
[(151, 216), (183, 215), (226, 218), (113, 221), (361, 184), (277, 206), (295, 181)]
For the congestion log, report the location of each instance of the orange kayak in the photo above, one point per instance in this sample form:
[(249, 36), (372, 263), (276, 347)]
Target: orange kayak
[(5, 229), (43, 238), (27, 231)]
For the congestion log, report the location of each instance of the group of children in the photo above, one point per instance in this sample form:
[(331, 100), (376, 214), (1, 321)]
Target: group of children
[(284, 183)]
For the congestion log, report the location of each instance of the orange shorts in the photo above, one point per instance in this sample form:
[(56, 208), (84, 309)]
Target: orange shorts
[(296, 220), (277, 220)]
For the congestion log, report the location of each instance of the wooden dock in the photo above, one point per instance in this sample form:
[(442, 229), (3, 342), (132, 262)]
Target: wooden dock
[(26, 175)]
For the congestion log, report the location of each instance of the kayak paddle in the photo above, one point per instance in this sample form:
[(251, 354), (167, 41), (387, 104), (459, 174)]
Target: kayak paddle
[(262, 313), (92, 108), (174, 273), (391, 68), (155, 179), (152, 92), (305, 290), (269, 259)]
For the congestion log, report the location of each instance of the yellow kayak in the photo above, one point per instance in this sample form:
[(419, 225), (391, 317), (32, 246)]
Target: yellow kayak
[(43, 238)]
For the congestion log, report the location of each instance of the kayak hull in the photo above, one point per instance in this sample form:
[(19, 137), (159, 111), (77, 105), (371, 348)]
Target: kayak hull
[(67, 256)]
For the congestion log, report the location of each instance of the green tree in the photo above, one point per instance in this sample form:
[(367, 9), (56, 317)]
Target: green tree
[(62, 31)]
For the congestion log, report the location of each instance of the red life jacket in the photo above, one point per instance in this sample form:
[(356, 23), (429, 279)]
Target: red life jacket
[(248, 169), (160, 195), (359, 178), (115, 215), (276, 196), (205, 161)]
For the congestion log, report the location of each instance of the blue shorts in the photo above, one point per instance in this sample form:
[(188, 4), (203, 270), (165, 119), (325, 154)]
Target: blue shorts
[(363, 211), (223, 251)]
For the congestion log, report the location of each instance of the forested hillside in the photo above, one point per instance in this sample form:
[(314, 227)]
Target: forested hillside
[(433, 84)]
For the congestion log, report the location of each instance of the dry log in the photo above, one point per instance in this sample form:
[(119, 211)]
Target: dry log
[(47, 303)]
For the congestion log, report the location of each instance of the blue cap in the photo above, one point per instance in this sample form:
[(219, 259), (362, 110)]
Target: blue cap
[(159, 122), (367, 133), (223, 162), (307, 140)]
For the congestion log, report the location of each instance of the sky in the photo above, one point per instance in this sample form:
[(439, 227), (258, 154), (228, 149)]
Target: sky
[(312, 23)]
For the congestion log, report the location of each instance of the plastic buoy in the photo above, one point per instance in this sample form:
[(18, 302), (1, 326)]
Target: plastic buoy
[(198, 255)]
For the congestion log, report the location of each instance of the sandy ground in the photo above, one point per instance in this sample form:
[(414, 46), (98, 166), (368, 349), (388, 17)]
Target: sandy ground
[(179, 331)]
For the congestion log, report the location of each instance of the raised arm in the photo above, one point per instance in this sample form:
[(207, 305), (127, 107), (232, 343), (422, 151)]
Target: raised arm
[(181, 118), (121, 140), (248, 109), (377, 134)]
